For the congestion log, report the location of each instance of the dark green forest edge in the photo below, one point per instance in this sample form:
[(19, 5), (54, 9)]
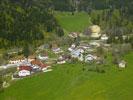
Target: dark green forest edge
[(26, 21)]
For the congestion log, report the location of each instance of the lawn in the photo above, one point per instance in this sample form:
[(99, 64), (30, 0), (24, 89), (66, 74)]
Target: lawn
[(70, 82), (73, 23)]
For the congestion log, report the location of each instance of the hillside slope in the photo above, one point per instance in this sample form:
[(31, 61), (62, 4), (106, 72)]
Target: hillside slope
[(70, 82), (70, 23)]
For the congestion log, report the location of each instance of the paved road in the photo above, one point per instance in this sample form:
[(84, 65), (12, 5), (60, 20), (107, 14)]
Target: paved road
[(8, 66)]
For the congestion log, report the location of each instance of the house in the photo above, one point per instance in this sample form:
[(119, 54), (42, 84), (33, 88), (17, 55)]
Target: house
[(81, 58), (57, 50), (31, 58), (94, 43), (36, 64), (90, 58), (73, 46), (25, 62), (44, 46), (104, 37), (63, 58), (21, 59), (17, 60), (45, 67), (80, 49), (122, 64), (77, 54), (73, 34), (93, 31), (24, 71), (84, 46), (43, 57)]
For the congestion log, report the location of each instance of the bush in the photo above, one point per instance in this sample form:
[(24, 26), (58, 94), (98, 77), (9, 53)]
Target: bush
[(1, 84), (59, 31), (121, 49)]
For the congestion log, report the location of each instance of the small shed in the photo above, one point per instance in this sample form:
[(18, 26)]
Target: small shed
[(122, 64), (104, 37)]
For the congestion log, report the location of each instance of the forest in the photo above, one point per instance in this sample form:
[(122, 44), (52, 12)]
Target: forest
[(24, 21)]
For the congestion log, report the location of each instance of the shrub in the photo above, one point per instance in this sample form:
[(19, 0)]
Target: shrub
[(59, 31)]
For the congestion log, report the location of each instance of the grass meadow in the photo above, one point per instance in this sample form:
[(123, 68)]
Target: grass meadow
[(70, 82)]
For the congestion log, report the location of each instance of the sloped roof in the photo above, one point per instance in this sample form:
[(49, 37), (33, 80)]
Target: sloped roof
[(39, 63), (25, 68)]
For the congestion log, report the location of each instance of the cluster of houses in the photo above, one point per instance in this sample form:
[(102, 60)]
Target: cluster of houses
[(84, 52), (27, 68), (20, 60)]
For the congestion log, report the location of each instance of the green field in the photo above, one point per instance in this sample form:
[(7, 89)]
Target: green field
[(70, 82), (73, 23)]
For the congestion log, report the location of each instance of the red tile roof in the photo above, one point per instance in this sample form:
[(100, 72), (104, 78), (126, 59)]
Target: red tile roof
[(36, 62), (39, 63), (44, 65), (25, 68)]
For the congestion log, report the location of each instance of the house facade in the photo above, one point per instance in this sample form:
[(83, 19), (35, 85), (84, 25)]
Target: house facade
[(24, 71)]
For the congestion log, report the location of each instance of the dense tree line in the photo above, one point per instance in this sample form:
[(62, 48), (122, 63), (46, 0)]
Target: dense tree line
[(116, 20), (1, 83), (24, 21)]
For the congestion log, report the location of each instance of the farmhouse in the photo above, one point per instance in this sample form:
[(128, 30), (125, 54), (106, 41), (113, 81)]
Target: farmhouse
[(24, 71), (44, 67), (25, 63), (44, 46), (57, 50), (90, 58), (73, 34), (93, 31), (95, 43), (73, 46), (36, 64), (77, 54), (84, 46), (16, 60), (104, 37), (122, 64), (31, 58), (63, 58), (43, 57)]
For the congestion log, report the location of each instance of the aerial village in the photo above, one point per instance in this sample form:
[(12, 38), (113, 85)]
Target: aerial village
[(83, 51)]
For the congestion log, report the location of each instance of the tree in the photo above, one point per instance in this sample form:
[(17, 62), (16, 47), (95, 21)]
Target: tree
[(100, 51), (26, 51), (1, 83), (59, 31), (77, 40), (23, 21)]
